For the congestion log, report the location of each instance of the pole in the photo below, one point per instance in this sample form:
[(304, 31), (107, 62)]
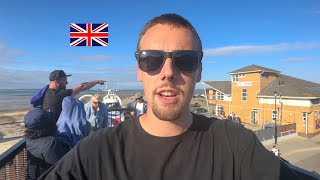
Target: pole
[(280, 114), (275, 119), (207, 101)]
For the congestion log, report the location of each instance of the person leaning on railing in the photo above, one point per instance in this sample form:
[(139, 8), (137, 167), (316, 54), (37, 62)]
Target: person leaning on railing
[(43, 149)]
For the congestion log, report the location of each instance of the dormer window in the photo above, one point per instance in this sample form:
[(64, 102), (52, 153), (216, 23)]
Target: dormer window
[(235, 77)]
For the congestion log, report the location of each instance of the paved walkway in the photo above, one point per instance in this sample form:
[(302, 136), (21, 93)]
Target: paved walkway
[(300, 151), (253, 127)]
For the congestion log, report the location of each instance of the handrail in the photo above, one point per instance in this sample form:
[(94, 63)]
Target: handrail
[(9, 154), (13, 162), (302, 173)]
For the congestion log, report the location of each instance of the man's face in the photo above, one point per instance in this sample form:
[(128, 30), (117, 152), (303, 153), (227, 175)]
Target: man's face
[(168, 91), (62, 83)]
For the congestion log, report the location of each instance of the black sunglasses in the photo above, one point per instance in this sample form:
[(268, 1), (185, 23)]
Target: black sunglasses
[(183, 60)]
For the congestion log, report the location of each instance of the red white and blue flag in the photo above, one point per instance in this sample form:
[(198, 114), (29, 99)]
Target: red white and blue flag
[(89, 34), (115, 118)]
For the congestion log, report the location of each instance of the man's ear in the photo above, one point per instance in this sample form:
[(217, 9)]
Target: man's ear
[(199, 73), (139, 74), (57, 82)]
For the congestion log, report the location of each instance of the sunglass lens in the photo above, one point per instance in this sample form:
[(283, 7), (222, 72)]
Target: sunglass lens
[(186, 61), (150, 61)]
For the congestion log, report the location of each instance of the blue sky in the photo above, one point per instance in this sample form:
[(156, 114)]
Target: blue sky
[(34, 38)]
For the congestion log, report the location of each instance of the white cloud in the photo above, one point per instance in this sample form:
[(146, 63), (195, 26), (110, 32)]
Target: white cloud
[(210, 62), (8, 55), (250, 49), (96, 57), (23, 79), (294, 59), (20, 79), (108, 70)]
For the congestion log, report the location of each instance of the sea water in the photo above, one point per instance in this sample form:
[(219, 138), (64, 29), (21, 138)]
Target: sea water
[(15, 99)]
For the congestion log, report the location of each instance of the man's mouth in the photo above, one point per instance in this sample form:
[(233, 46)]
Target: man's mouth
[(167, 94)]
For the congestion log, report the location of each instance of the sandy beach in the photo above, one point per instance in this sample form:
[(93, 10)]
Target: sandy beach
[(11, 127)]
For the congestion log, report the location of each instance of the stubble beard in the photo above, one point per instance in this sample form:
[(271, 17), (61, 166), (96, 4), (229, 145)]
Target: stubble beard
[(169, 112)]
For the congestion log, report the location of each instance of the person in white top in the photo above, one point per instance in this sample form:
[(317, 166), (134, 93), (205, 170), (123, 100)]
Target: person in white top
[(139, 106), (275, 150)]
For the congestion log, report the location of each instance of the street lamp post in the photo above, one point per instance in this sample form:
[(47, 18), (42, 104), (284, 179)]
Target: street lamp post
[(275, 118)]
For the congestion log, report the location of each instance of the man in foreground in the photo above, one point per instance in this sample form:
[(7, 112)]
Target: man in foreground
[(58, 90), (169, 142)]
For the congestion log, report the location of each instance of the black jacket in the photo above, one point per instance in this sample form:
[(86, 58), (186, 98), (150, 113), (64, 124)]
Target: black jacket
[(42, 153)]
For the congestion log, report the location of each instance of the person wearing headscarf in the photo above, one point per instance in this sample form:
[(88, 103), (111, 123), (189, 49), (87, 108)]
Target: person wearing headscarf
[(72, 122)]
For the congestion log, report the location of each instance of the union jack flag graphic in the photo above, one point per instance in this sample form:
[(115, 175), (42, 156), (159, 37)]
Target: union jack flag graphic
[(89, 34)]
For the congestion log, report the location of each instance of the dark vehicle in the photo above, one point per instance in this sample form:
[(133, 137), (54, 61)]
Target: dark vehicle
[(198, 110), (195, 105)]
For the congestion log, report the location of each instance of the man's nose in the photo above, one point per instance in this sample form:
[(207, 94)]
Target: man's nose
[(168, 69)]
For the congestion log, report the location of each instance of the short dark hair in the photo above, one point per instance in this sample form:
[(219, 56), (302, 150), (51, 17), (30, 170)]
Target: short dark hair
[(174, 20)]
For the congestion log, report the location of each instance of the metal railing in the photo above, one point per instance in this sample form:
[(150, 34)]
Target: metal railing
[(13, 162), (118, 115), (303, 174), (268, 132)]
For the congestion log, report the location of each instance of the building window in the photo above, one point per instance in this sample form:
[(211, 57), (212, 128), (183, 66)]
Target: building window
[(219, 109), (220, 96), (235, 77), (304, 117), (244, 94), (274, 115)]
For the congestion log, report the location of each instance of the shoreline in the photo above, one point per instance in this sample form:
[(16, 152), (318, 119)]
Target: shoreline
[(11, 127), (13, 110)]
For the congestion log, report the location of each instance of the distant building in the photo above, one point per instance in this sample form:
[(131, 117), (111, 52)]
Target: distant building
[(251, 95)]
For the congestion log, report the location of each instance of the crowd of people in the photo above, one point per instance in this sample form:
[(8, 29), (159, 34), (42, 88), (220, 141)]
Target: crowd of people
[(166, 141), (56, 123), (59, 121), (232, 117)]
